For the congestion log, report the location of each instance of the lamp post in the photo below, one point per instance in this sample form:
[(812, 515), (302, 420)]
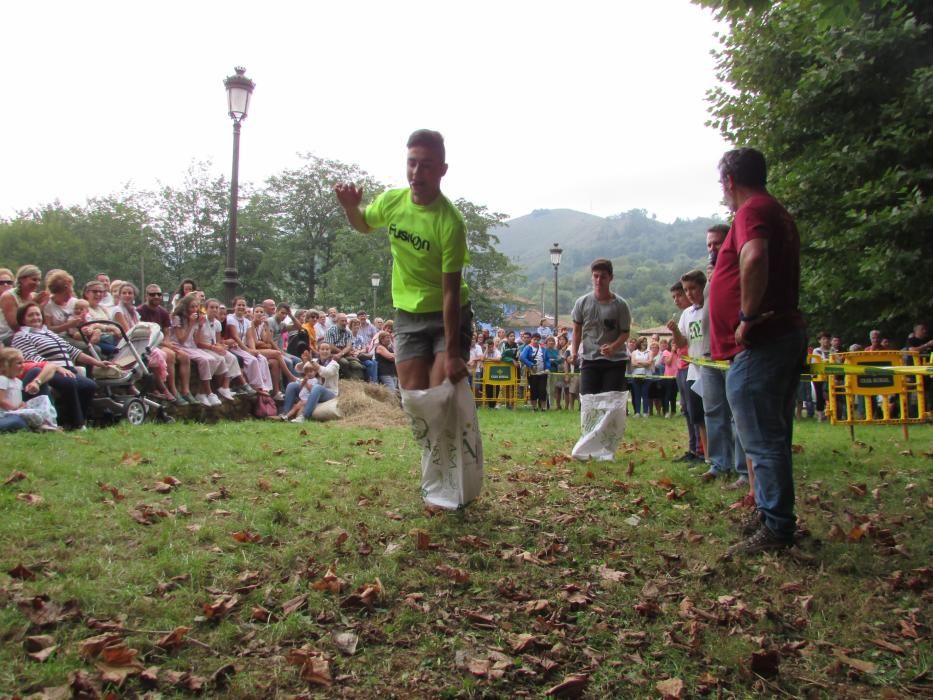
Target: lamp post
[(374, 280), (555, 261), (239, 91)]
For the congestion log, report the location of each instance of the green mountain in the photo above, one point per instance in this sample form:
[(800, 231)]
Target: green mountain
[(648, 256)]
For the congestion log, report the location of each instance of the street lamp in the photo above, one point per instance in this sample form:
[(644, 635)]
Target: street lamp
[(239, 91), (555, 261), (374, 280)]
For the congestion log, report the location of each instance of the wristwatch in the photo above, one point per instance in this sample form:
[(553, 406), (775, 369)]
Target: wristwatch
[(747, 319)]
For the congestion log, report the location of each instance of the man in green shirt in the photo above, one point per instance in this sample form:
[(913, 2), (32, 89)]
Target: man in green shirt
[(433, 324)]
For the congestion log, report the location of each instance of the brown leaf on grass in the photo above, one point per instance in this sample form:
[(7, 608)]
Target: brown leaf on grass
[(14, 477), (161, 487), (534, 607), (42, 612), (765, 662), (454, 574), (662, 483), (42, 654), (149, 677), (112, 625), (221, 676), (346, 642), (631, 469), (908, 629), (185, 681), (796, 449), (217, 495), (422, 538), (220, 607), (247, 537), (117, 662), (31, 499), (174, 639), (261, 614), (164, 587), (131, 459), (858, 532), (523, 642), (146, 514), (315, 668), (330, 582), (474, 542), (671, 689), (38, 642), (479, 619), (857, 664), (858, 489), (836, 534), (888, 646), (392, 515), (571, 687), (22, 573), (662, 452), (294, 605), (112, 490), (365, 596), (647, 608), (607, 574), (342, 537)]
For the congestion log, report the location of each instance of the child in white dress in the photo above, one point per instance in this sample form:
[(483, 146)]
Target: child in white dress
[(308, 381), (38, 412)]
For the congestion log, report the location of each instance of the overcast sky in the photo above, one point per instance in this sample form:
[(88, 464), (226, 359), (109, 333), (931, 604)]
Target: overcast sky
[(594, 106)]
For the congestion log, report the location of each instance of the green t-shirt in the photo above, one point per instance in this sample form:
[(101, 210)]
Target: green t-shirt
[(426, 241)]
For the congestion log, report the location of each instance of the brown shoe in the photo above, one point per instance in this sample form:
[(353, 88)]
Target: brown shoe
[(764, 540), (740, 483)]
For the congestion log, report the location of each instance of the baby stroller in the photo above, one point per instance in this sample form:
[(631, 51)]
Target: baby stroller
[(121, 391)]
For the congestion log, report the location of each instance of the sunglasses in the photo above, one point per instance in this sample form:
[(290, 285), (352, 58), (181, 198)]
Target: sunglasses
[(155, 294), (9, 282)]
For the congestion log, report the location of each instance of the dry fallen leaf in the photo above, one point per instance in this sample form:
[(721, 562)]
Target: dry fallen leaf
[(857, 664), (174, 639), (365, 596), (671, 689), (315, 668), (245, 536), (31, 499), (572, 686), (42, 612), (22, 573), (346, 642), (14, 477), (220, 607), (454, 574)]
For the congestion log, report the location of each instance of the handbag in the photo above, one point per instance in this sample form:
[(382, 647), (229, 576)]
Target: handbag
[(265, 406)]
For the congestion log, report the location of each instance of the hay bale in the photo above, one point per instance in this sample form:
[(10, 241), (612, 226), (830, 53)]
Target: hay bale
[(369, 405)]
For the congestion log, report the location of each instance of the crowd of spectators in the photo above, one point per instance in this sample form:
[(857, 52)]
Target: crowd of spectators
[(209, 353)]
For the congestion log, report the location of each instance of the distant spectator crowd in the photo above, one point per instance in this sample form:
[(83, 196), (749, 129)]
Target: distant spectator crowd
[(59, 339)]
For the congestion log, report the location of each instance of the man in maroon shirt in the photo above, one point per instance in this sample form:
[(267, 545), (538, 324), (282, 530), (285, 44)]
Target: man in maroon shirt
[(755, 322)]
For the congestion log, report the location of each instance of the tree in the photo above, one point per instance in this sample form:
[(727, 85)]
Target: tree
[(491, 276), (839, 97), (306, 218)]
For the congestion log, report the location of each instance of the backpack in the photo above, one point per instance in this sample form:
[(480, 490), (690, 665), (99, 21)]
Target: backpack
[(265, 406), (297, 343)]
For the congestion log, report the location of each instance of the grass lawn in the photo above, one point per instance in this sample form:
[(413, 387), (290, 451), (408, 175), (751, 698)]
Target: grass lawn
[(262, 560)]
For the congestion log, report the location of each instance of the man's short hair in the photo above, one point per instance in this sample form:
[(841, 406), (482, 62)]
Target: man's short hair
[(695, 277), (746, 166), (429, 139), (824, 334), (678, 286), (721, 229), (536, 335), (602, 265), (282, 305)]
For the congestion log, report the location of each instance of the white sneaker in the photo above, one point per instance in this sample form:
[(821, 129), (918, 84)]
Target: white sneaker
[(203, 400), (299, 419), (279, 397), (225, 393), (214, 399)]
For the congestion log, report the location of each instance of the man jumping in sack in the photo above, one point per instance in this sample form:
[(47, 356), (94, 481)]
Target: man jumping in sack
[(601, 323), (433, 322)]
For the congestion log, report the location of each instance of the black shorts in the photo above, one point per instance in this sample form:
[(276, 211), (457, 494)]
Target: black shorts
[(694, 405), (600, 376)]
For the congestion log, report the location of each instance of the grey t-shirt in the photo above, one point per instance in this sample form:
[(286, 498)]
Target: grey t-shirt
[(603, 322)]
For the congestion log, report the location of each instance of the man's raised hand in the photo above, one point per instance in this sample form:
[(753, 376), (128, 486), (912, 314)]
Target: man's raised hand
[(349, 195)]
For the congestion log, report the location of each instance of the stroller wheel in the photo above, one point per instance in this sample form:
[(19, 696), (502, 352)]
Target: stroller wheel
[(135, 412)]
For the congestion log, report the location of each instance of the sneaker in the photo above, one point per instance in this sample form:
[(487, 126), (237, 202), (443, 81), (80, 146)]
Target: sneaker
[(190, 399), (686, 457), (740, 483), (225, 393), (763, 540), (299, 419), (248, 390), (279, 397), (202, 399), (180, 400), (709, 475), (214, 399)]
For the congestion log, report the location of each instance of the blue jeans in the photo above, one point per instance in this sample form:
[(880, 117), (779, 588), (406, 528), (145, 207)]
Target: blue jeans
[(318, 395), (291, 396), (11, 423), (725, 452), (640, 396), (372, 371), (761, 387)]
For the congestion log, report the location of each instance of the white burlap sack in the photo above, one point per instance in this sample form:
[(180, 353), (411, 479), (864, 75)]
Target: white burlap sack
[(602, 425), (443, 420)]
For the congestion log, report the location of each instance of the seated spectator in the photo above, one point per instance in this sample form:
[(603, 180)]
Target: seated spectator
[(361, 353), (265, 344), (367, 330), (125, 313), (327, 370), (59, 310), (187, 322), (309, 325), (152, 311), (282, 322), (37, 411), (106, 297), (210, 340), (72, 390), (28, 279), (186, 287), (240, 338), (341, 343), (385, 359), (93, 292)]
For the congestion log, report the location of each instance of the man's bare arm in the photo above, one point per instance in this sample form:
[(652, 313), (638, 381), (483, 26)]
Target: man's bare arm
[(455, 368)]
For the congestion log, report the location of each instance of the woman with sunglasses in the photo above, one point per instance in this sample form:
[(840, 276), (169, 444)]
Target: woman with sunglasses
[(12, 296)]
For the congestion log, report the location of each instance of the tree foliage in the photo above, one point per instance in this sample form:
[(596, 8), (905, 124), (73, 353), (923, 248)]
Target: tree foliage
[(839, 97)]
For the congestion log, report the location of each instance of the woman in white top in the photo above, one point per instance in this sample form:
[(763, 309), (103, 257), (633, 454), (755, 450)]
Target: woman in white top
[(641, 368), (241, 340), (28, 279)]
